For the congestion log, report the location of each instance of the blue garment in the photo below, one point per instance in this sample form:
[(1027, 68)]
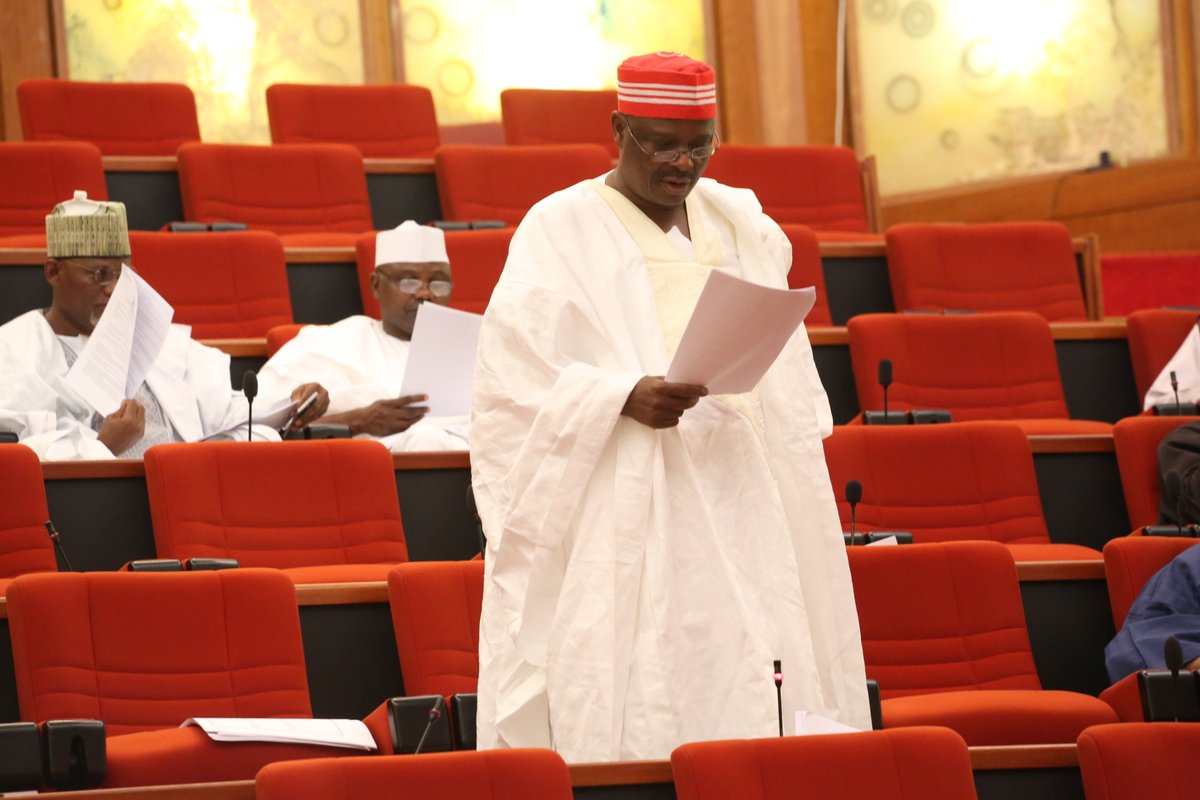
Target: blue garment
[(1168, 605)]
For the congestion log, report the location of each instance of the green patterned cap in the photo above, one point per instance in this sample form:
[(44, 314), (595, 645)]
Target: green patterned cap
[(83, 228)]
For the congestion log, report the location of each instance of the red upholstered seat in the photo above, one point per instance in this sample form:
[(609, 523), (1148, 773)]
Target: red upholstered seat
[(907, 764), (35, 176), (807, 270), (1139, 760), (499, 182), (971, 480), (309, 194), (383, 121), (1134, 281), (280, 335), (818, 186), (435, 611), (324, 511), (559, 116), (940, 622), (224, 285), (1013, 266), (122, 119), (1130, 561), (1155, 336), (1136, 440), (486, 775), (476, 261), (145, 651), (24, 544), (977, 366)]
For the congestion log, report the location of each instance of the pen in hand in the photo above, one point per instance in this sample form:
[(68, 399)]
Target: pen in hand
[(300, 409)]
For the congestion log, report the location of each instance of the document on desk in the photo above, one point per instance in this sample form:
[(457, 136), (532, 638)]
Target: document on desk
[(736, 332), (349, 733), (272, 415), (441, 359), (124, 344)]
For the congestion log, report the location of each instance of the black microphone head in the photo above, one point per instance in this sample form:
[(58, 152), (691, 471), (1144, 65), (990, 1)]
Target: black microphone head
[(885, 372), (1174, 380), (853, 492), (1173, 654), (250, 384)]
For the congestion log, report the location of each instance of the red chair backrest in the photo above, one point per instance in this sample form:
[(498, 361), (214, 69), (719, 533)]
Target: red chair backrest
[(1154, 336), (1136, 440), (435, 613), (1012, 266), (1130, 561), (36, 176), (276, 504), (559, 116), (807, 270), (24, 544), (817, 186), (916, 763), (224, 285), (1135, 281), (286, 188), (973, 480), (941, 617), (280, 335), (977, 366), (142, 651), (1136, 760), (383, 121), (122, 119), (500, 182)]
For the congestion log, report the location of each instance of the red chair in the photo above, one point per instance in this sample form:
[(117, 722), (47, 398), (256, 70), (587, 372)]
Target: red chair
[(825, 188), (1134, 761), (944, 635), (24, 543), (145, 651), (486, 775), (501, 183), (476, 261), (1013, 266), (1136, 440), (280, 335), (1134, 281), (311, 195), (559, 116), (973, 480), (435, 612), (904, 764), (224, 285), (35, 177), (1154, 336), (977, 366), (323, 511), (122, 119), (383, 121), (807, 270)]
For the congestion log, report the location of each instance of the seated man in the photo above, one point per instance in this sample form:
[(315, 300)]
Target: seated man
[(1186, 366), (185, 397), (361, 360), (1168, 605)]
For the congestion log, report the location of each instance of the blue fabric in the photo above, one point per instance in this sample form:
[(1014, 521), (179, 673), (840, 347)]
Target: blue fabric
[(1168, 605)]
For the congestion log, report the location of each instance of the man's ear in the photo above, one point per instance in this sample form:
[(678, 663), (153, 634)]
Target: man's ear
[(375, 284), (53, 270), (618, 126)]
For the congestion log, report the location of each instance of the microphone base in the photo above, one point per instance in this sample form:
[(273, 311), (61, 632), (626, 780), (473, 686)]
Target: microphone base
[(1175, 531), (1165, 699), (1177, 410), (885, 418), (408, 718)]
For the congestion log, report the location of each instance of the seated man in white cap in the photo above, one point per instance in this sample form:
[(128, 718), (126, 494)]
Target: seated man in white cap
[(1179, 380), (651, 550), (361, 360), (186, 396)]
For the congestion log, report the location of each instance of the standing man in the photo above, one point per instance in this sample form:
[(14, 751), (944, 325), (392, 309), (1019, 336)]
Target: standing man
[(651, 549)]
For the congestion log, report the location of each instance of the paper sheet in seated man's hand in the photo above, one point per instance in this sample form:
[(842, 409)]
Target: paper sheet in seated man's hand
[(736, 332), (441, 360)]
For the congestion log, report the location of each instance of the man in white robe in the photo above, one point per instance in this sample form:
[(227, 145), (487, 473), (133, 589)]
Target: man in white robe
[(1186, 366), (186, 396), (361, 360), (651, 550)]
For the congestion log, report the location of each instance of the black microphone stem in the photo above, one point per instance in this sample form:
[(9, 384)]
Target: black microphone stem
[(779, 693), (434, 714), (53, 532)]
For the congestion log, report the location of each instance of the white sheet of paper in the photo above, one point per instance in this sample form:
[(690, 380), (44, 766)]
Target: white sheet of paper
[(808, 723), (887, 541), (333, 732), (441, 359), (123, 346), (271, 415), (736, 332)]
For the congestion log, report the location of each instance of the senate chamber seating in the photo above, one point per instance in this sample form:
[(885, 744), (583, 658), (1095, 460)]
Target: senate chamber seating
[(1139, 760), (323, 511), (977, 366), (1136, 281), (145, 651), (944, 634), (35, 177), (1154, 336), (973, 480), (122, 119), (1136, 440), (280, 335), (482, 182), (1020, 266), (559, 116), (807, 270), (920, 763), (383, 121), (25, 545), (224, 285), (310, 195)]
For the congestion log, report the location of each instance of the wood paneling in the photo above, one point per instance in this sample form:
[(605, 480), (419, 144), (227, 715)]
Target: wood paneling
[(739, 104), (26, 51)]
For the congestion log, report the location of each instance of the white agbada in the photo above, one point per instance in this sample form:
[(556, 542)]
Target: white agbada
[(357, 362), (189, 380), (1186, 366), (639, 583)]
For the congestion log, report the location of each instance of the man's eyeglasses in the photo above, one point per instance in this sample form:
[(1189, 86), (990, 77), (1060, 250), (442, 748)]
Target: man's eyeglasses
[(667, 156), (410, 285), (100, 275)]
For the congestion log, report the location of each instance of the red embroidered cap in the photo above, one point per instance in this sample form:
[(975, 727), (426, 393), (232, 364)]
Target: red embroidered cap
[(666, 85)]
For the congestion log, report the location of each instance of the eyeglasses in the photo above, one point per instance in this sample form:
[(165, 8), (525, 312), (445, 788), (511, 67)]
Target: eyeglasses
[(410, 285), (667, 156), (101, 275)]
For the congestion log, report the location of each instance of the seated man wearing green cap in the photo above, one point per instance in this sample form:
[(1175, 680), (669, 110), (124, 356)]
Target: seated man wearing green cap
[(186, 396)]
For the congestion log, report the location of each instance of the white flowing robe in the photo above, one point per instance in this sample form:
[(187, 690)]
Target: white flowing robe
[(1186, 366), (357, 362), (640, 582), (190, 381)]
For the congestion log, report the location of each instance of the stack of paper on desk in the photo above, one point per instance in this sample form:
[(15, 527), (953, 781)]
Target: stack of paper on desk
[(349, 733)]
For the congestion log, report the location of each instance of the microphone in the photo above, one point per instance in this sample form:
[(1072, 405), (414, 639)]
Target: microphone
[(1173, 655), (435, 713), (250, 389), (778, 665), (53, 533), (885, 380), (1175, 389), (1174, 487), (853, 497)]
